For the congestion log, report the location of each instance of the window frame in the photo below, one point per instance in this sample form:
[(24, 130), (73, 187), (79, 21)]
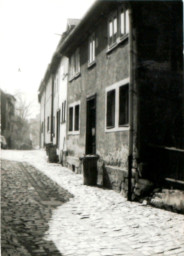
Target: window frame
[(112, 40), (74, 62), (116, 86), (63, 112), (92, 50), (48, 124), (73, 106), (120, 37)]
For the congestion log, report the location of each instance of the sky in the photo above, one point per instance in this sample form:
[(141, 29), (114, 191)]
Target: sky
[(28, 38)]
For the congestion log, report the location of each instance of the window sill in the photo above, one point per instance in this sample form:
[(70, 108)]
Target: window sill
[(117, 129), (74, 77), (73, 132), (119, 40), (91, 64)]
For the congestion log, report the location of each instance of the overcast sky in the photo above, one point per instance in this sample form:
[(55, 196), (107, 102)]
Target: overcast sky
[(28, 38)]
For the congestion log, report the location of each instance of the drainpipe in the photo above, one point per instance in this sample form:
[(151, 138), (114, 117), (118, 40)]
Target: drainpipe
[(130, 153)]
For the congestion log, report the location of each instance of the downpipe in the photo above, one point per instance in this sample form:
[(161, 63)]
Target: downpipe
[(130, 153)]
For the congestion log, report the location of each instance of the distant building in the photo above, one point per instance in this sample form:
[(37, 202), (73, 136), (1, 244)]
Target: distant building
[(7, 116), (125, 94)]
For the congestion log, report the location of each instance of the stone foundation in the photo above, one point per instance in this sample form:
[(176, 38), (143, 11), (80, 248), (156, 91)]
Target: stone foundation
[(74, 164), (169, 199), (116, 178)]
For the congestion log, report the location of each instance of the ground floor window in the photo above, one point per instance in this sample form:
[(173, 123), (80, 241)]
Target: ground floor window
[(63, 112), (117, 106), (48, 124), (74, 117)]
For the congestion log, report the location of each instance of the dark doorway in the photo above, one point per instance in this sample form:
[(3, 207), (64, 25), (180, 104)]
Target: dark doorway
[(91, 126)]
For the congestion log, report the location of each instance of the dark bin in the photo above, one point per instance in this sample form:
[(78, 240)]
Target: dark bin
[(47, 147), (89, 169), (51, 152)]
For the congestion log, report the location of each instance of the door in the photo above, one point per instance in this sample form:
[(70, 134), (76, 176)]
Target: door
[(91, 126)]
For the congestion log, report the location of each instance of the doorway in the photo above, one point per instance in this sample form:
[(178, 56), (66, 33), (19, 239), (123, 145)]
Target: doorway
[(91, 125)]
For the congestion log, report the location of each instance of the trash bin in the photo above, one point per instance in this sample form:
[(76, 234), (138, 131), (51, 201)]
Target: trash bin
[(89, 169), (51, 152), (53, 158), (47, 147)]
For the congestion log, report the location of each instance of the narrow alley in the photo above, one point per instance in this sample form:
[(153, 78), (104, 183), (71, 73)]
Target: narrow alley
[(46, 210)]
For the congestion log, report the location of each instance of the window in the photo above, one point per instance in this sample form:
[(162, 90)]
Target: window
[(41, 127), (63, 112), (111, 109), (71, 119), (113, 26), (48, 124), (118, 27), (91, 49), (117, 104), (123, 105), (53, 120), (75, 64), (124, 22), (74, 118)]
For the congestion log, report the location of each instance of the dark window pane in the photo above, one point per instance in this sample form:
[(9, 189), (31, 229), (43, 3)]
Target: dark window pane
[(48, 123), (111, 109), (71, 119), (123, 105), (77, 118)]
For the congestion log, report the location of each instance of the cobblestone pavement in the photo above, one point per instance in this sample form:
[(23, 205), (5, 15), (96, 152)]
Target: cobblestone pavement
[(28, 198), (98, 222)]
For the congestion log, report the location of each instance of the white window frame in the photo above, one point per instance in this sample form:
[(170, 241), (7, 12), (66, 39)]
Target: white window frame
[(73, 105), (115, 87), (118, 27), (92, 49), (124, 22), (112, 29)]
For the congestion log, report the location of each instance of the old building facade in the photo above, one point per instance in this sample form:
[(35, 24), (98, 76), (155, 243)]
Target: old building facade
[(7, 116), (124, 87)]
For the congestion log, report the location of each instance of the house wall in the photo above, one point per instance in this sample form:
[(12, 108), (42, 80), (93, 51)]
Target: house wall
[(60, 96), (42, 120), (160, 83), (48, 101), (110, 68)]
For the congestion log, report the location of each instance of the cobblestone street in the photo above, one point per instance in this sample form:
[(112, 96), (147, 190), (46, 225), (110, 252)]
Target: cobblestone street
[(28, 198), (94, 222)]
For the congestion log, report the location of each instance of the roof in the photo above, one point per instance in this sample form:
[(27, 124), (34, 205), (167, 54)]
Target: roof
[(98, 10)]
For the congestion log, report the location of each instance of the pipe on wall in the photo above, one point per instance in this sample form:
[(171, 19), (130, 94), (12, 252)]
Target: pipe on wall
[(130, 153)]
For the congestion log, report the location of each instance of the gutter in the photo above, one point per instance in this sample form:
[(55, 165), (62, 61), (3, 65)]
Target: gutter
[(130, 153)]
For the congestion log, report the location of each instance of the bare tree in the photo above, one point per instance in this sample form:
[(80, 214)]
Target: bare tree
[(23, 107)]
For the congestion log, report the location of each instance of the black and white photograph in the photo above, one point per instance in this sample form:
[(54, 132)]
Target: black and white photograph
[(92, 127)]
